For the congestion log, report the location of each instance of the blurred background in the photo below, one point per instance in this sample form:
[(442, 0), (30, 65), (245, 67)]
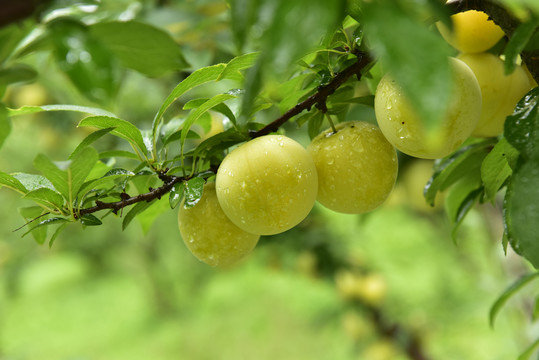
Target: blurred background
[(376, 286)]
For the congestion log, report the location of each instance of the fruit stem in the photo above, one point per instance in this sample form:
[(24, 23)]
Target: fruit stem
[(331, 123)]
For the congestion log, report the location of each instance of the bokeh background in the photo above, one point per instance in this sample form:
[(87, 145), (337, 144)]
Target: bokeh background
[(335, 287)]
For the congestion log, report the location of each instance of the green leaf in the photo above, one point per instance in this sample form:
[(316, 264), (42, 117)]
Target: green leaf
[(529, 351), (84, 59), (90, 220), (518, 42), (194, 115), (193, 192), (238, 63), (408, 50), (462, 196), (31, 214), (55, 175), (506, 295), (54, 236), (82, 109), (17, 73), (141, 47), (498, 167), (5, 124), (41, 225), (454, 167), (147, 218), (33, 182), (314, 124), (176, 194), (106, 179), (90, 139), (69, 181), (12, 182), (121, 128), (47, 197), (197, 78), (79, 169), (137, 209), (521, 213), (118, 153), (522, 127)]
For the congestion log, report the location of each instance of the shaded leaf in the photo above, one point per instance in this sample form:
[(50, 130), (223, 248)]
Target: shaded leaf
[(521, 213), (497, 167), (455, 166), (408, 50), (5, 124), (90, 139), (521, 129), (17, 73), (57, 177), (518, 41), (506, 295), (90, 220), (137, 209), (141, 47), (315, 124)]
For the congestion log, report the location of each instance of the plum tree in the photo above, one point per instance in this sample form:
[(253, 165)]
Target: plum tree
[(473, 32), (267, 185), (405, 129), (500, 93), (210, 235), (356, 165)]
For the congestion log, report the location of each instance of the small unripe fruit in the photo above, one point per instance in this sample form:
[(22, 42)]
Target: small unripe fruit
[(405, 129), (357, 167), (500, 92), (267, 185), (210, 235), (473, 32)]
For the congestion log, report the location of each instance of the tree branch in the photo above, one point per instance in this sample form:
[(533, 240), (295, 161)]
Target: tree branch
[(169, 182), (319, 97)]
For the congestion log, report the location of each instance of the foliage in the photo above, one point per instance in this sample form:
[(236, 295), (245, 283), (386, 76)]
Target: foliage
[(267, 66)]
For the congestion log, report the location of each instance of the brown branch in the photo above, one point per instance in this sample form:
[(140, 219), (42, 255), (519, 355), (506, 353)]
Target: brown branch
[(409, 342), (503, 19), (169, 181), (157, 193), (16, 10), (319, 98)]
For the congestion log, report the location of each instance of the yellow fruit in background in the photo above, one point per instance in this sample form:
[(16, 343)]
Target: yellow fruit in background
[(369, 288), (33, 94), (533, 83), (210, 235), (402, 126), (380, 350), (267, 185), (357, 167), (472, 32), (414, 178), (216, 128), (500, 92)]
